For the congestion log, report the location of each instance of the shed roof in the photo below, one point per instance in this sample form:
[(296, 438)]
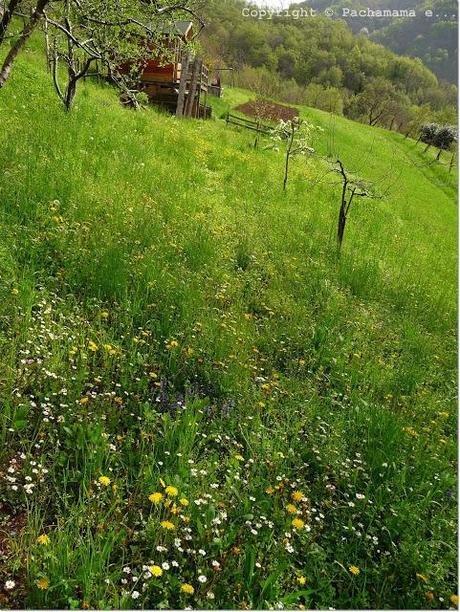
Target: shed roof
[(178, 28)]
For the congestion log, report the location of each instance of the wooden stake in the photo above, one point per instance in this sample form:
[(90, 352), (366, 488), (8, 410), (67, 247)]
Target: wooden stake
[(192, 91), (182, 85)]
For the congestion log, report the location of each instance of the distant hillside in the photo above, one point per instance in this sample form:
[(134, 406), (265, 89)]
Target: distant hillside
[(321, 62), (431, 38)]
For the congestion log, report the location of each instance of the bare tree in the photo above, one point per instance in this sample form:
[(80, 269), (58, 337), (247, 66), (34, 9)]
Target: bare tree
[(351, 187), (297, 134)]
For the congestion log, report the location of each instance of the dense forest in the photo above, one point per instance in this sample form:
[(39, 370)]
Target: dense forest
[(323, 63), (432, 37)]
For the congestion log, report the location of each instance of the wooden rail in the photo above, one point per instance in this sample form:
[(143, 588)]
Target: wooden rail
[(256, 126)]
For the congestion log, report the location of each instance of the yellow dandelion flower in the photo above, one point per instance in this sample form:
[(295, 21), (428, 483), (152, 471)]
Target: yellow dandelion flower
[(92, 346), (105, 314), (187, 588), (156, 497), (171, 491), (291, 508), (153, 375), (422, 578), (156, 571), (84, 400), (184, 501), (14, 291), (43, 584), (454, 600), (167, 525), (301, 580), (43, 539), (354, 570), (269, 490), (297, 523), (104, 481), (297, 496), (429, 595)]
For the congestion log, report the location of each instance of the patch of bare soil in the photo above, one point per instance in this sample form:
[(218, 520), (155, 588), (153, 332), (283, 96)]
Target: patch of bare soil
[(264, 109)]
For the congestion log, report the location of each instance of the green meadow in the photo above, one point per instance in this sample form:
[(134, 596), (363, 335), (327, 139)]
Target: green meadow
[(203, 405)]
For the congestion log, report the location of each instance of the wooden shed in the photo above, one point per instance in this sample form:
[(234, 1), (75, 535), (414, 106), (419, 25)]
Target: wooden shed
[(161, 81)]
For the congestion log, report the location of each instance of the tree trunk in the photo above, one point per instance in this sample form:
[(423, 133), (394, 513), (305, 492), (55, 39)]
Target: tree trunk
[(341, 225), (392, 123), (343, 208), (182, 85), (288, 156), (451, 165), (5, 71), (70, 93), (426, 148), (6, 14), (438, 155), (256, 141), (47, 48)]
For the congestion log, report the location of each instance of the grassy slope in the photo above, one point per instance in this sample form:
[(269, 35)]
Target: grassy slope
[(147, 264)]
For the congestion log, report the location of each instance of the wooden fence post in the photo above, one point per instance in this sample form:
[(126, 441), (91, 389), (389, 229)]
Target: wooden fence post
[(182, 85), (256, 141), (192, 91)]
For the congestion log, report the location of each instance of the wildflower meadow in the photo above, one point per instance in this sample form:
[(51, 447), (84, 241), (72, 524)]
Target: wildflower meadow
[(204, 405)]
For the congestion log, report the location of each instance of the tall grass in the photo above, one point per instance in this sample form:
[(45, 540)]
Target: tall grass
[(170, 317)]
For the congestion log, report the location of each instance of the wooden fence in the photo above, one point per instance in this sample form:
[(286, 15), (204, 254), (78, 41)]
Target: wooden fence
[(256, 126)]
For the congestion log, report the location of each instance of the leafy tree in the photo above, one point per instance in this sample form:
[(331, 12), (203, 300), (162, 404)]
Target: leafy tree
[(428, 133), (104, 30), (330, 77), (444, 137), (329, 99), (377, 101)]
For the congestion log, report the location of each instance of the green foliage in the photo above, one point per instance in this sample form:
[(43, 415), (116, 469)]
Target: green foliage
[(320, 62), (170, 318)]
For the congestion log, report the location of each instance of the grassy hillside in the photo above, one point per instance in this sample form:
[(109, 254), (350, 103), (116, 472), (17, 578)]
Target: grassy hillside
[(193, 382)]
